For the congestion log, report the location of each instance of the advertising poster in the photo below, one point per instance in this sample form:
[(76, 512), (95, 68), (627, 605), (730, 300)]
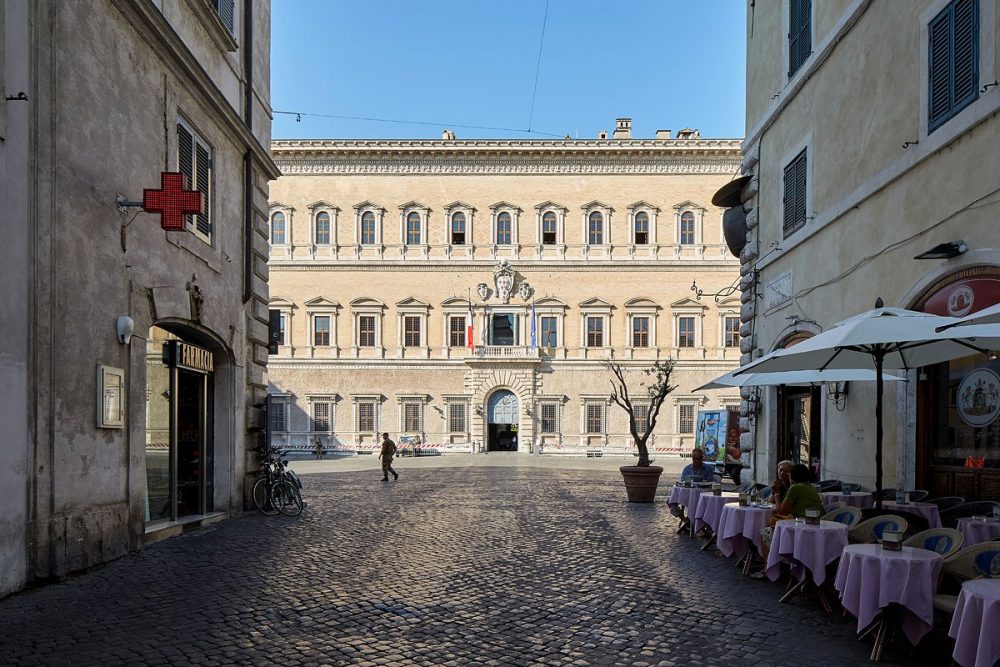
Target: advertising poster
[(711, 432)]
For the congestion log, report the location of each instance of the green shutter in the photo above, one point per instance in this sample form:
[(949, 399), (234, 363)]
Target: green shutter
[(965, 59), (953, 61), (185, 159), (794, 200)]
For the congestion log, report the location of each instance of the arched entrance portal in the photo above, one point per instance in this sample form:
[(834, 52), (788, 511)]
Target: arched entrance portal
[(502, 417)]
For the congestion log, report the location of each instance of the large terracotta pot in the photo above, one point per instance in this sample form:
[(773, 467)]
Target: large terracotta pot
[(640, 482)]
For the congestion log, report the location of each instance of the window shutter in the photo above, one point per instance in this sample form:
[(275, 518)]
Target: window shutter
[(789, 199), (203, 168), (793, 36), (939, 67), (800, 190), (805, 30), (965, 60), (185, 157), (227, 12)]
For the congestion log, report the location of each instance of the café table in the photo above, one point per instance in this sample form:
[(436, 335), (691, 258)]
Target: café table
[(685, 498), (928, 511), (861, 499), (883, 586), (739, 530), (975, 624), (709, 511), (976, 532), (808, 548)]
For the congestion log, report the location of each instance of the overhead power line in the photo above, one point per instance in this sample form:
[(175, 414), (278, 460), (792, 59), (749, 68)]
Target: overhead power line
[(298, 116), (538, 65)]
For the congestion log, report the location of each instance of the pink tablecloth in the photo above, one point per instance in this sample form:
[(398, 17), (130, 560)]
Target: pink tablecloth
[(682, 496), (739, 527), (808, 548), (709, 509), (871, 578), (975, 623), (928, 511), (975, 532), (861, 500)]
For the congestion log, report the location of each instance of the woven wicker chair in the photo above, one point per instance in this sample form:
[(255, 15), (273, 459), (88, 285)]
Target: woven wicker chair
[(833, 506), (975, 562), (946, 502), (870, 530), (943, 541), (846, 515)]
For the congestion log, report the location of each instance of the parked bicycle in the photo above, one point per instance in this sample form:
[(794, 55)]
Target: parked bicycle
[(278, 490)]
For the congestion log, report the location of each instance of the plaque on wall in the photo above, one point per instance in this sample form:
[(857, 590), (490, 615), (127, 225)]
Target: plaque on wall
[(110, 389)]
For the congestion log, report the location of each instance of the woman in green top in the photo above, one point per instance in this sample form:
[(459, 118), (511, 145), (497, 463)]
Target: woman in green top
[(801, 496)]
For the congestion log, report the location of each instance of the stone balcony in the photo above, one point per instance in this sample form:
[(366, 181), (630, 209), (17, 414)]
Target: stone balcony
[(505, 353)]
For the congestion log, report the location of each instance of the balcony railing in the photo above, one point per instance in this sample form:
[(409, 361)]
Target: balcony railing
[(505, 352)]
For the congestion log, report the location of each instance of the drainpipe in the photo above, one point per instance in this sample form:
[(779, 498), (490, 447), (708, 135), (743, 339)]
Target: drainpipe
[(248, 227)]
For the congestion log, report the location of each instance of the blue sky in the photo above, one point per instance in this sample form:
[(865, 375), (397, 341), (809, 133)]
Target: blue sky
[(668, 64)]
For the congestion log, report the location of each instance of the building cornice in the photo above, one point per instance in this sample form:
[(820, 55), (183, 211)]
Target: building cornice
[(728, 265), (507, 156)]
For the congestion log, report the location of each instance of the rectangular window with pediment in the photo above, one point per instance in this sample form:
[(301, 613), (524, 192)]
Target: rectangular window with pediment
[(685, 332), (640, 411), (685, 418), (550, 335), (366, 331), (549, 418), (595, 332), (321, 416), (411, 331), (366, 416), (456, 417), (640, 331), (412, 416), (456, 331), (549, 227), (595, 418), (321, 330), (732, 332)]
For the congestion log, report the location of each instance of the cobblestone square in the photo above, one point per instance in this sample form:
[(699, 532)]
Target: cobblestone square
[(448, 566)]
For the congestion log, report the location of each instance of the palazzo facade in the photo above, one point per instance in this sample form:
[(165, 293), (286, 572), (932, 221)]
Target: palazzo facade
[(562, 255)]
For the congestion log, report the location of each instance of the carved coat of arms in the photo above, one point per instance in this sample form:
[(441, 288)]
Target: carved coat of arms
[(503, 278)]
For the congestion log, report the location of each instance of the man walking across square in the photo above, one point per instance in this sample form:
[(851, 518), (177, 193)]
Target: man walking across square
[(388, 451)]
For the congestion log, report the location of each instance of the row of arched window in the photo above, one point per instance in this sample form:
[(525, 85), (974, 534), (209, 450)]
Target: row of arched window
[(504, 227)]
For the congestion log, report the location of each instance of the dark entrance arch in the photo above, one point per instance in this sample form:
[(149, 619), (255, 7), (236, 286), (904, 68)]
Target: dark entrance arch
[(502, 417)]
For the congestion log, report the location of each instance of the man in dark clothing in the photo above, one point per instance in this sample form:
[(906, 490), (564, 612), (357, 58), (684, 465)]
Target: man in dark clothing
[(388, 451)]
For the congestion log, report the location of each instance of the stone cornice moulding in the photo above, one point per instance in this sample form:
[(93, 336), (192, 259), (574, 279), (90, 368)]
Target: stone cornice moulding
[(721, 156), (701, 265)]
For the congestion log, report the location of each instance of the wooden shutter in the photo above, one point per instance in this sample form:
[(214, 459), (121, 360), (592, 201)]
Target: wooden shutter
[(793, 36), (227, 12), (939, 67), (185, 158), (203, 166), (805, 30), (795, 194), (953, 61), (965, 49)]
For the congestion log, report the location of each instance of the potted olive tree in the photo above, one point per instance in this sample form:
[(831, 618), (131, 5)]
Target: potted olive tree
[(642, 478)]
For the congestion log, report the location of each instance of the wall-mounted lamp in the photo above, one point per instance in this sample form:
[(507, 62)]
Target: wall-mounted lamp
[(837, 392), (125, 327), (945, 250)]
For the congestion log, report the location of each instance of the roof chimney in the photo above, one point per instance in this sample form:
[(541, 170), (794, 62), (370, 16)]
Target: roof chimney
[(623, 128), (688, 133), (663, 135), (448, 135), (603, 134)]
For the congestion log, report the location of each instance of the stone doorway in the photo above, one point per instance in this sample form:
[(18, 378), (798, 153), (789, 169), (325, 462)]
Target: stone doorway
[(502, 417)]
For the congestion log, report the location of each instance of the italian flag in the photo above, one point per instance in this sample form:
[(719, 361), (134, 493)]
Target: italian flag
[(468, 324)]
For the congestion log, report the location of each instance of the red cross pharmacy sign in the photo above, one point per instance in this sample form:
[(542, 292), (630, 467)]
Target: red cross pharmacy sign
[(173, 200)]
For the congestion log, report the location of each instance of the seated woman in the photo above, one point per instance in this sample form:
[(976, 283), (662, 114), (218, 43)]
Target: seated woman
[(801, 496), (779, 487)]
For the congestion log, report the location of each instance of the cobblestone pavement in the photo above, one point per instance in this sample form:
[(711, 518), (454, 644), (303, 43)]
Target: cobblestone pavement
[(447, 566)]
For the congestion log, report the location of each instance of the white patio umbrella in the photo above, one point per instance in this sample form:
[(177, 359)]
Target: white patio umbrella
[(879, 339), (989, 315), (793, 378)]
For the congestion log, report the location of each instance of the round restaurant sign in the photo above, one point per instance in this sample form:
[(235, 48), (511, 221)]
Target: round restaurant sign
[(960, 301), (978, 397)]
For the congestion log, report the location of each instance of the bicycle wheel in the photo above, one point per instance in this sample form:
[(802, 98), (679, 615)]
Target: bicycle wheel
[(263, 498), (287, 497)]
